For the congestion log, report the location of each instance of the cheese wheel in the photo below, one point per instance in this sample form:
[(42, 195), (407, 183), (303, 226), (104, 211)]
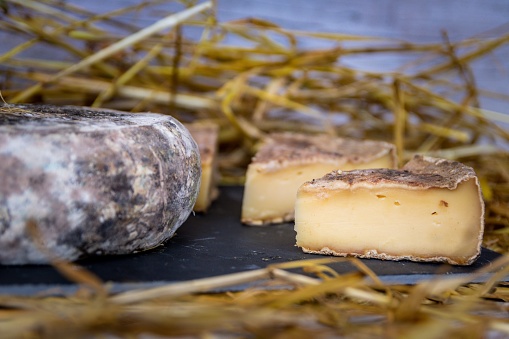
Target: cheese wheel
[(92, 181)]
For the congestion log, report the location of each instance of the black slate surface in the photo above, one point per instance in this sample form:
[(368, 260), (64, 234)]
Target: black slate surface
[(214, 244)]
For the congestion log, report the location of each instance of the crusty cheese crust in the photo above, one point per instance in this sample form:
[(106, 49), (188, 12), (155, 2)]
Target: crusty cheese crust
[(281, 150), (419, 173), (374, 254)]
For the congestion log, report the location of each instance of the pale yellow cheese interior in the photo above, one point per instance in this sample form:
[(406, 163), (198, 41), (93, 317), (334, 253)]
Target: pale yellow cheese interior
[(424, 223), (206, 188), (269, 196)]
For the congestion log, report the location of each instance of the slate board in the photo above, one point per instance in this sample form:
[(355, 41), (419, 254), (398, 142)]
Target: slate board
[(214, 244)]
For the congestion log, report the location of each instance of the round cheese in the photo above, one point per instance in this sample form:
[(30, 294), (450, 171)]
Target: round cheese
[(91, 181)]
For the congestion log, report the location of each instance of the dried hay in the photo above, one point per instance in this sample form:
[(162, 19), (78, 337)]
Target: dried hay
[(265, 83), (281, 303)]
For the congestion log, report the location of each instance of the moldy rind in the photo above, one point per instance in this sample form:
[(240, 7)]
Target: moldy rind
[(94, 181), (420, 173), (296, 148)]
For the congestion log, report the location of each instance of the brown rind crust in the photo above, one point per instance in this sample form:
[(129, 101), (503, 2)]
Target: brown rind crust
[(288, 217), (422, 172), (94, 181), (373, 254), (419, 173), (283, 149)]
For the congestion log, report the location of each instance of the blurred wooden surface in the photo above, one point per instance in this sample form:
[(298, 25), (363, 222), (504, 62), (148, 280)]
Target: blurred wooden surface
[(414, 20), (407, 19)]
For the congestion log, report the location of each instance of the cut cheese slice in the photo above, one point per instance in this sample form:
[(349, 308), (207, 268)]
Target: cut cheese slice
[(432, 210), (287, 160), (206, 136)]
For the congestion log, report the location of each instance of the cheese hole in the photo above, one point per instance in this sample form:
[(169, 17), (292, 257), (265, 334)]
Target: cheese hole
[(397, 203), (434, 213), (380, 196)]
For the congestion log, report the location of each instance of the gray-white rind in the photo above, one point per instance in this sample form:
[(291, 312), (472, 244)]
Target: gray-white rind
[(93, 181)]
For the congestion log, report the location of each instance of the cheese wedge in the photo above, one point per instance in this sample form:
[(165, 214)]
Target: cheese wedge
[(206, 136), (287, 160), (432, 210)]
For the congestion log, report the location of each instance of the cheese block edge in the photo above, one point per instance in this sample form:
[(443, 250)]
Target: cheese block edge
[(435, 169)]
